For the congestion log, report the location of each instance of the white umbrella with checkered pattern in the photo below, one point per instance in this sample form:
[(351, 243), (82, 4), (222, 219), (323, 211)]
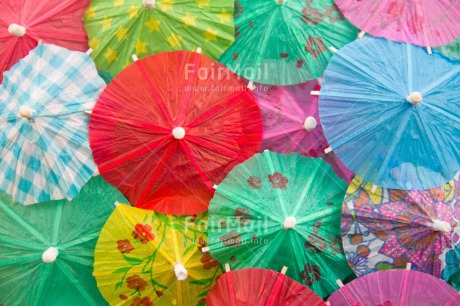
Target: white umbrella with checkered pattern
[(44, 150)]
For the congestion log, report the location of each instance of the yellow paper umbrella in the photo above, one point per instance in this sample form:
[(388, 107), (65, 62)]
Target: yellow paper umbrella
[(147, 258)]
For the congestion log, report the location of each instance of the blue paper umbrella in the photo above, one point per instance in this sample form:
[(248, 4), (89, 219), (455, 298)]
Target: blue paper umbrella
[(44, 149), (391, 113)]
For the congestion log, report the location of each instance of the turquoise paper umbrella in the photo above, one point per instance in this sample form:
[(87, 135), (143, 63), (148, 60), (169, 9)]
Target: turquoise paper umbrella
[(46, 251), (278, 210), (286, 42)]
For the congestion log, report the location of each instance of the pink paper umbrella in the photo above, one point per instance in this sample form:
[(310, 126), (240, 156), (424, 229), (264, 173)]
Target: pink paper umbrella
[(24, 22), (419, 22), (396, 288), (291, 123)]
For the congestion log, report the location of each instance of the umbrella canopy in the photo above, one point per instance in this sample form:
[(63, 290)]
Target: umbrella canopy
[(281, 42), (396, 288), (106, 76), (291, 123), (390, 228), (391, 119), (262, 287), (118, 29), (24, 22), (452, 49), (423, 23), (145, 258), (47, 250), (43, 125), (164, 133), (278, 210)]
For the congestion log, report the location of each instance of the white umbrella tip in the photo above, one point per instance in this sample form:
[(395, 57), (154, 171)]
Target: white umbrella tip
[(289, 223), (178, 133), (440, 226), (310, 124), (50, 255), (415, 97), (180, 271), (25, 112), (16, 30), (149, 4)]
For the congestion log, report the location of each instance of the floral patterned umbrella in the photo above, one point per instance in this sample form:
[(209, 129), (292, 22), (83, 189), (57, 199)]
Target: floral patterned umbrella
[(278, 210), (390, 228), (145, 258), (281, 42)]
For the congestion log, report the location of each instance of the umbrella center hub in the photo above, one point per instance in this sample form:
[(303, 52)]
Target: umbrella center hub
[(178, 133), (149, 4), (440, 226), (16, 29), (280, 2), (26, 112), (415, 98), (50, 255), (289, 223), (180, 271), (310, 124)]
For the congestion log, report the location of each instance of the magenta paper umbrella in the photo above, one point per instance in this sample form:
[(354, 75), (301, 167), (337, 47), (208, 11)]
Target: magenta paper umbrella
[(420, 22), (396, 288), (291, 123)]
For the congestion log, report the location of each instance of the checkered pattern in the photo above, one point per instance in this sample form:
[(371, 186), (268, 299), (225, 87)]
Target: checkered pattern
[(48, 156)]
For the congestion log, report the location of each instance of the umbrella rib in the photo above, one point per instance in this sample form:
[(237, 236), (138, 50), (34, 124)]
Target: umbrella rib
[(396, 138), (79, 240), (159, 101), (306, 188), (43, 278), (209, 145), (131, 123), (215, 110), (20, 243), (109, 165), (197, 167), (271, 167), (432, 141), (285, 110), (157, 172), (188, 93), (24, 224), (21, 260), (75, 283), (359, 132), (281, 132)]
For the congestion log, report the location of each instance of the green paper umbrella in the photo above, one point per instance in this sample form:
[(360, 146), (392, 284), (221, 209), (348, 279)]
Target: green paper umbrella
[(117, 29), (452, 49), (278, 210), (46, 250), (285, 42)]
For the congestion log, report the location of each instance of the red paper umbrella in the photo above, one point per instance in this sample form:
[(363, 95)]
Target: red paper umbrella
[(169, 127), (24, 22), (260, 287)]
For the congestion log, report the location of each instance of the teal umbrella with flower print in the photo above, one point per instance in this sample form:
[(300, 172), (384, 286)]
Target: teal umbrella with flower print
[(46, 250), (147, 258), (286, 42), (278, 210)]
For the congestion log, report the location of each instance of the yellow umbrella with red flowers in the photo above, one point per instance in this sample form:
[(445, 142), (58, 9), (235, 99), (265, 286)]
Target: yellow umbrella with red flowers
[(146, 258)]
